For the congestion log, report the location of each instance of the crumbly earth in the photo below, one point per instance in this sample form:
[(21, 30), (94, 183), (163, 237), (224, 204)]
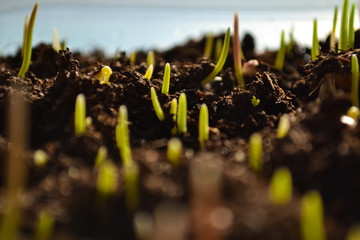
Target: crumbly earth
[(321, 152)]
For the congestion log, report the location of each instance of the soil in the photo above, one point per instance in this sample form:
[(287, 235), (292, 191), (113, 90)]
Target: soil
[(321, 152)]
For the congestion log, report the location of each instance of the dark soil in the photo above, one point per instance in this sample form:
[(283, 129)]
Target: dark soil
[(321, 152)]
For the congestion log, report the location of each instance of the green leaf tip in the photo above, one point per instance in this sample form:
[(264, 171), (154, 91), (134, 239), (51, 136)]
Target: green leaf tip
[(255, 102), (222, 59), (156, 105), (166, 80), (56, 45), (150, 58), (237, 53), (80, 115), (280, 57), (355, 80), (351, 31), (182, 114), (149, 72), (203, 125), (256, 152), (40, 158), (283, 127), (174, 150), (280, 191), (315, 42), (122, 136), (343, 41), (29, 26), (209, 43), (104, 75)]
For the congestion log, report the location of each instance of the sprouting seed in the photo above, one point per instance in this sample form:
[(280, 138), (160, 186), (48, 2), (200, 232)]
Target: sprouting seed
[(174, 150), (45, 226), (56, 42), (353, 112), (203, 125), (107, 179), (209, 45), (149, 72), (354, 232), (29, 26), (122, 136), (80, 115), (173, 108), (100, 156), (156, 105), (280, 191), (166, 80), (182, 114), (333, 32), (280, 57), (256, 152), (343, 41), (283, 127), (237, 53), (104, 75), (131, 181), (40, 158), (222, 59), (255, 102), (150, 59), (315, 43), (218, 47), (355, 80), (351, 35), (132, 58)]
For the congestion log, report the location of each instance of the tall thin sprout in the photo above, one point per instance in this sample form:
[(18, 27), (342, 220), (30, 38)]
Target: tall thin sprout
[(343, 27), (333, 32), (355, 80), (209, 45), (315, 43), (351, 36), (280, 57), (237, 53)]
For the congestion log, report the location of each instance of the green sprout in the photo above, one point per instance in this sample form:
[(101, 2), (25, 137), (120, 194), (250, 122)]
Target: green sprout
[(256, 152), (351, 36), (173, 108), (343, 27), (315, 43), (290, 46), (237, 53), (45, 226), (218, 47), (133, 58), (255, 102), (149, 72), (203, 125), (80, 115), (100, 156), (355, 80), (174, 150), (333, 32), (222, 59), (354, 232), (88, 121), (209, 45), (280, 57), (63, 44), (122, 136), (166, 80), (24, 35), (182, 114), (104, 75), (29, 26), (131, 181), (156, 105), (56, 45), (106, 180), (283, 127), (150, 58), (312, 222), (280, 191), (40, 158), (353, 112)]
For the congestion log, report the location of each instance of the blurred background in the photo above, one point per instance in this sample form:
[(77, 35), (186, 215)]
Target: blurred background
[(160, 24)]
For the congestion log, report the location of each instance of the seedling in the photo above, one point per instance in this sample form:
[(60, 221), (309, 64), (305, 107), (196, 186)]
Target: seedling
[(174, 150), (122, 136), (209, 45), (343, 27), (333, 32), (312, 222), (353, 112), (133, 58), (256, 152), (290, 46), (100, 156), (40, 158), (56, 45), (280, 191), (315, 43), (283, 127), (106, 180), (182, 114), (104, 75), (29, 26), (218, 47), (149, 72), (173, 108), (351, 36), (222, 59), (355, 80), (280, 57), (156, 105), (45, 226), (203, 125), (88, 121), (237, 53), (80, 115), (354, 232), (150, 59), (131, 181), (166, 80), (255, 102), (24, 35)]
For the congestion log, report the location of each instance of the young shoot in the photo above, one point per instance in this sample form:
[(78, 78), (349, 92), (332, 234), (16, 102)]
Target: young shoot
[(209, 45), (104, 75), (107, 179), (150, 58), (355, 80), (166, 80), (122, 136), (218, 47), (255, 102), (149, 72), (100, 156), (333, 32), (80, 115), (353, 112), (174, 150), (203, 125), (343, 42), (156, 105), (40, 158), (315, 43), (237, 53), (29, 26), (280, 191), (132, 58), (88, 121), (311, 219), (290, 46), (131, 181), (222, 59), (256, 152), (283, 127), (45, 226), (351, 36), (182, 114), (280, 57), (56, 45), (173, 109), (354, 232)]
